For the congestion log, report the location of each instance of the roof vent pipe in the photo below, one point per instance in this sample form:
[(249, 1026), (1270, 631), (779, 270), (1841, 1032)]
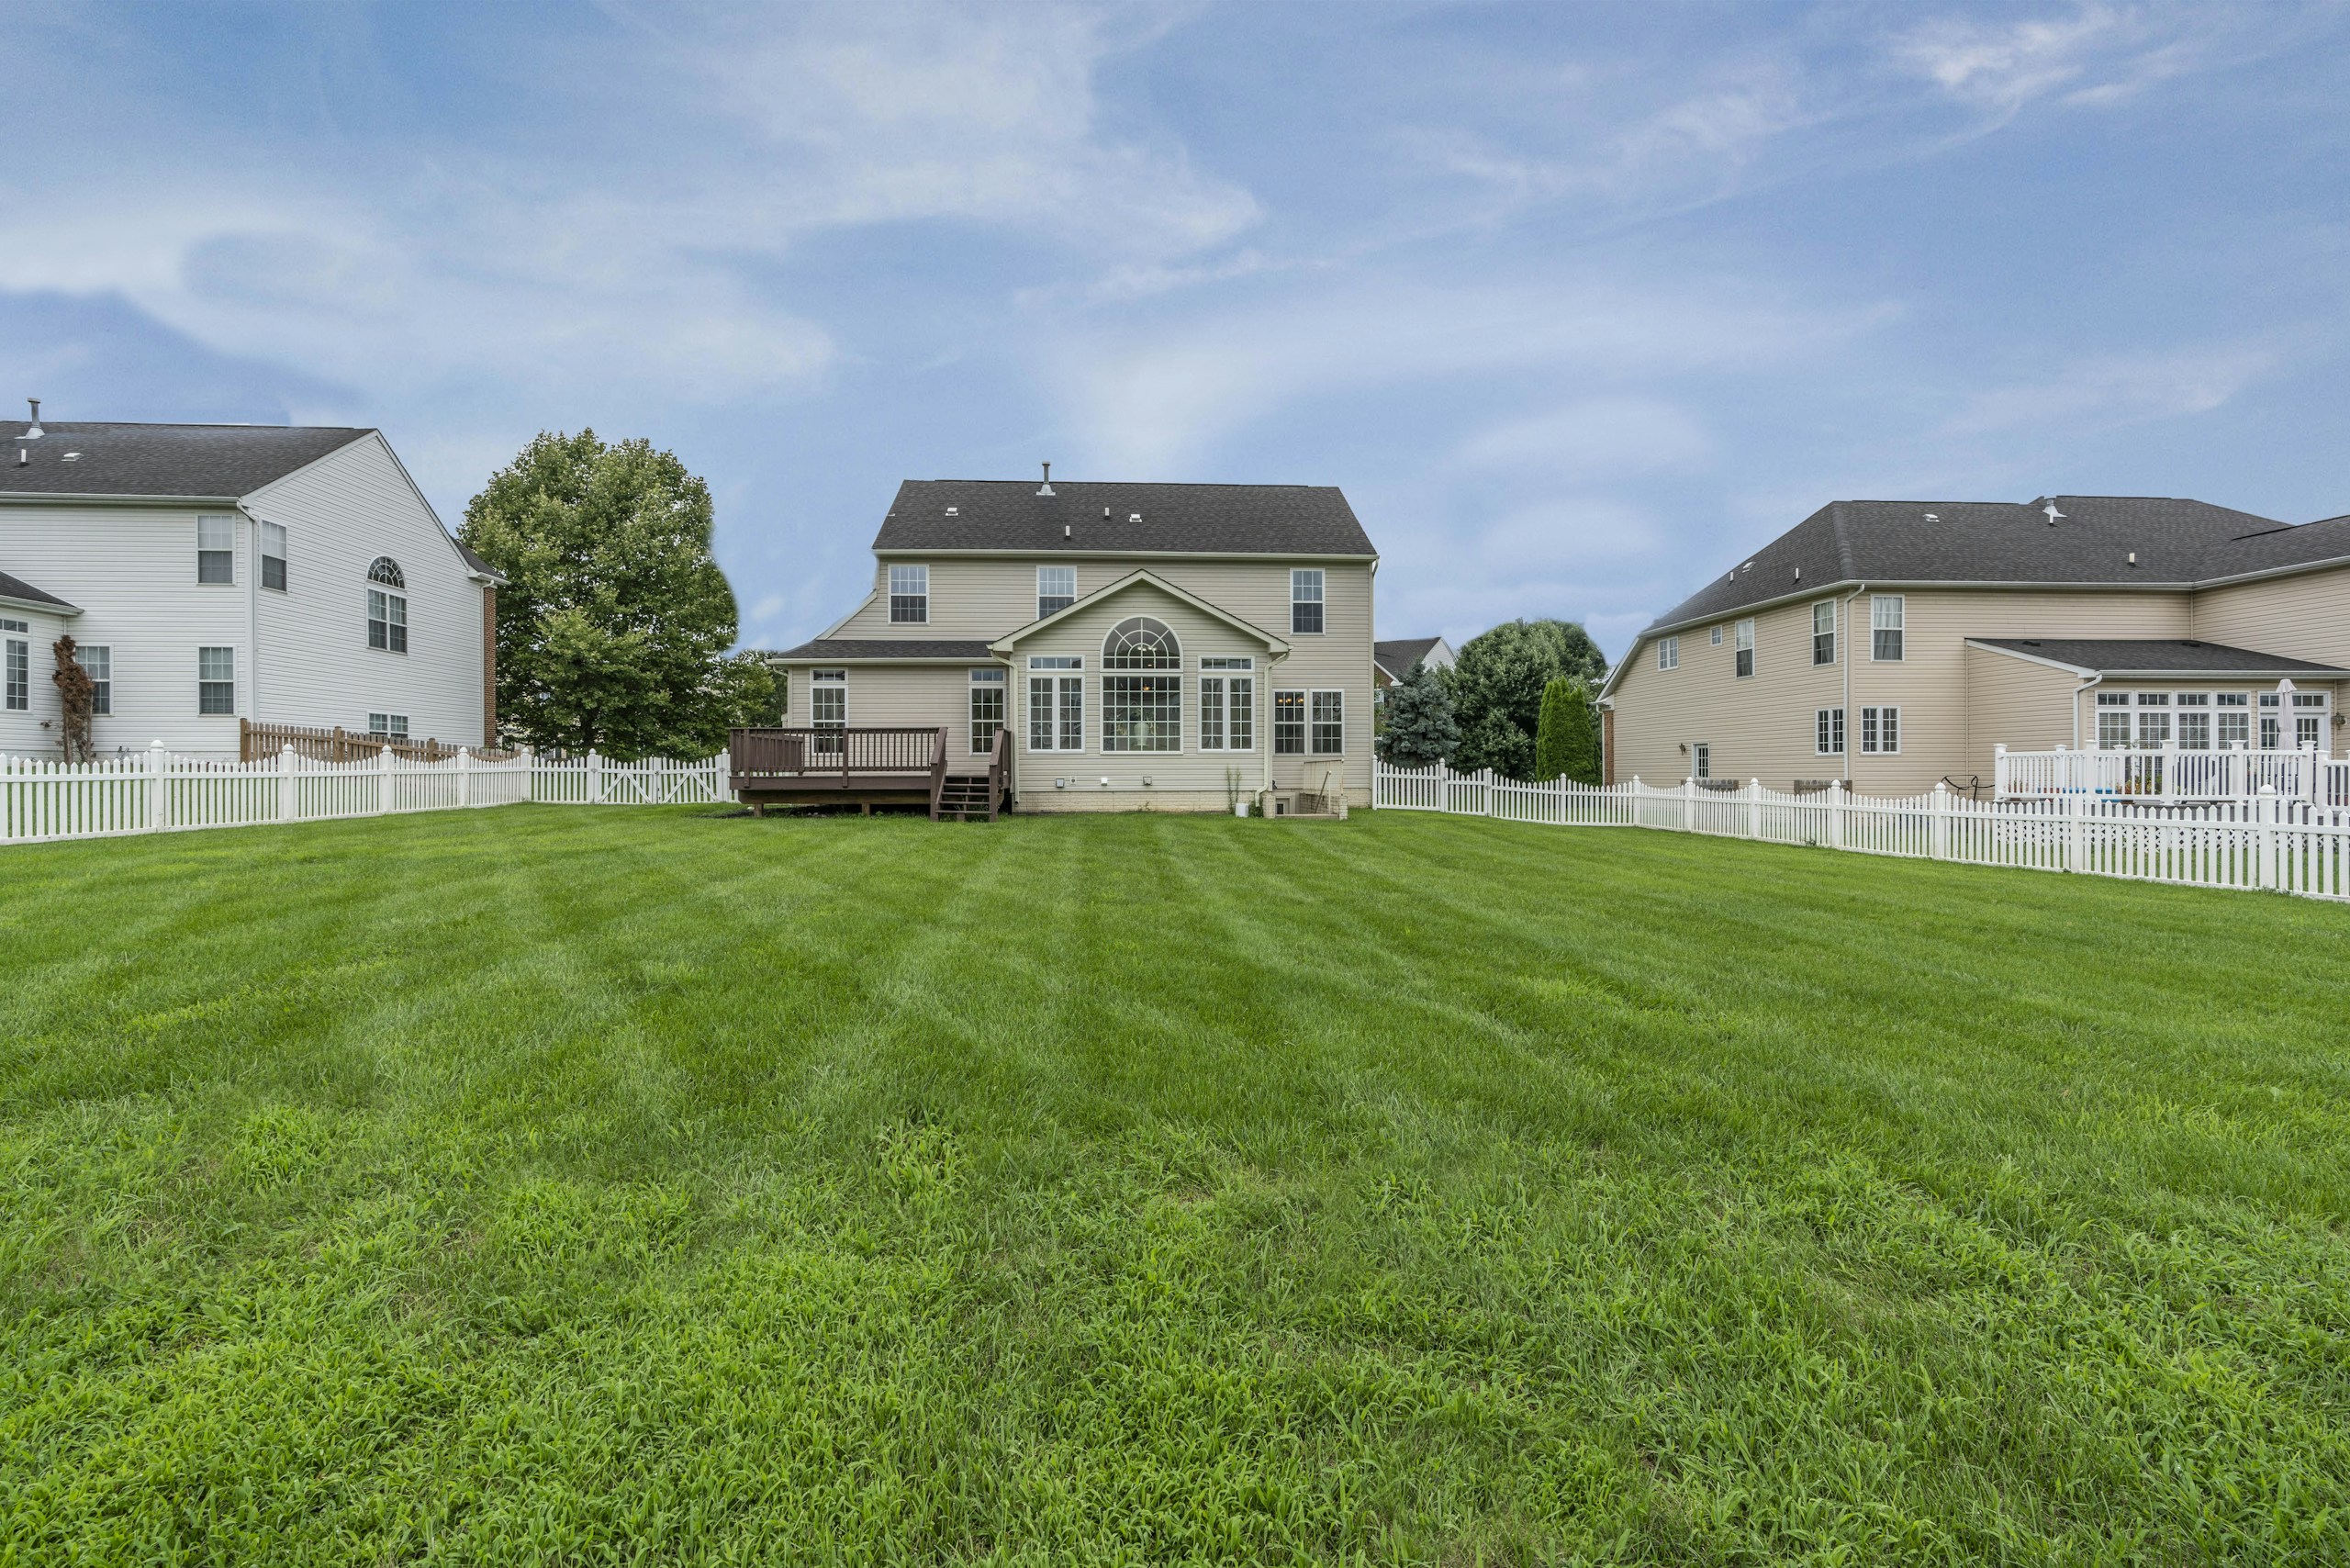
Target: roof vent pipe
[(23, 457), (2133, 558), (2053, 513), (1049, 481), (1065, 531), (33, 431)]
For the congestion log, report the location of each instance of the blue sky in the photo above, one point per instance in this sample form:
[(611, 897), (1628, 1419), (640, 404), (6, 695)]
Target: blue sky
[(1576, 302)]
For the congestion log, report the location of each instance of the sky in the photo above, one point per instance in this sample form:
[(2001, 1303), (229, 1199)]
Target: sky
[(1578, 303)]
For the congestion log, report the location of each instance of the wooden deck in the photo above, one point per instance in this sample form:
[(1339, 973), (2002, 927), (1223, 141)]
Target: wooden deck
[(866, 767)]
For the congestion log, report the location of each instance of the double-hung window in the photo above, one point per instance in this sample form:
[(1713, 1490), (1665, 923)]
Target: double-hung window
[(16, 674), (1305, 600), (1823, 632), (1715, 636), (216, 681), (387, 606), (1329, 723), (272, 555), (1056, 589), (2112, 721), (216, 548), (1056, 704), (1227, 705), (391, 726), (1881, 729), (2153, 720), (1886, 612), (1668, 653), (1289, 723), (987, 709), (2235, 720), (1827, 732), (1745, 651), (909, 596), (97, 663)]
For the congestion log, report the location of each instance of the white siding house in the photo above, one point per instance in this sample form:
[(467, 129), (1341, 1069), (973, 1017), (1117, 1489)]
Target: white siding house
[(211, 573)]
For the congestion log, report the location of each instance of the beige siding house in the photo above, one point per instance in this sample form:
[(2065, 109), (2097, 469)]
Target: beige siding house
[(1147, 646), (1891, 645)]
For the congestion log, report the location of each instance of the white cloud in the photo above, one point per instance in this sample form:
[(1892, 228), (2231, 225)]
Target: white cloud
[(1593, 437), (2104, 392)]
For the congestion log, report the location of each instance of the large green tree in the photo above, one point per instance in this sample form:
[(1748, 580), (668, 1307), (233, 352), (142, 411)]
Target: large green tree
[(1567, 745), (614, 620), (1420, 728), (1497, 689)]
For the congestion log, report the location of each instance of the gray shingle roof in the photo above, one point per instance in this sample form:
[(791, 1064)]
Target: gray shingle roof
[(2177, 542), (17, 588), (2121, 655), (160, 460), (1008, 514), (847, 648), (1398, 655)]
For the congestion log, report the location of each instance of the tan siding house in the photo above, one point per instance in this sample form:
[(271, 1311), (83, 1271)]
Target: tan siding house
[(1891, 645), (1157, 647)]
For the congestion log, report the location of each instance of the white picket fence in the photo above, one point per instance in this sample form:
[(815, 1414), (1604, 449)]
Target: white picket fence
[(153, 792), (2289, 845)]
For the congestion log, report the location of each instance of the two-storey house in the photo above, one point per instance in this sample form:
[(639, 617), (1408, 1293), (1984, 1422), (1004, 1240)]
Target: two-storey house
[(1890, 644), (214, 574), (1145, 647)]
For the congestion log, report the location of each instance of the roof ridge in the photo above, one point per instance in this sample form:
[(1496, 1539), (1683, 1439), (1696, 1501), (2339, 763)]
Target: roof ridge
[(1164, 483)]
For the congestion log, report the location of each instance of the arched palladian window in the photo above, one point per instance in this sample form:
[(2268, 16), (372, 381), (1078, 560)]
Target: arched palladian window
[(1141, 643), (386, 609)]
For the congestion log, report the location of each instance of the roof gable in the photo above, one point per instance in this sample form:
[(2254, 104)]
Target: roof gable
[(1079, 518), (1010, 640)]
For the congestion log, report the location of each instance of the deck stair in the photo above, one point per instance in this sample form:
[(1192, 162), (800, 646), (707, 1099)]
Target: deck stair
[(966, 795)]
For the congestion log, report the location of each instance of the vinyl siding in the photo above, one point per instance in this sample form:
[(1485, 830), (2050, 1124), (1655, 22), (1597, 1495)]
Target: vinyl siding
[(1763, 727), (2305, 617), (2015, 703), (987, 599)]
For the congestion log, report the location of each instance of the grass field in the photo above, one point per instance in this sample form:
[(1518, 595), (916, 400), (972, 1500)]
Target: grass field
[(543, 1185)]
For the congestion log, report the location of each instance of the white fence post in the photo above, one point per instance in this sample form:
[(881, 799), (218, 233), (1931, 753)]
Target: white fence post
[(7, 798), (1689, 804), (2077, 832), (1939, 847), (595, 777), (2267, 830), (658, 784), (1835, 814), (530, 772), (1754, 808), (464, 777), (159, 788), (383, 780), (285, 784)]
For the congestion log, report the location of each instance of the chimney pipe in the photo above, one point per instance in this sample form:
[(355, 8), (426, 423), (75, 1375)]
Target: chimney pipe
[(1049, 481), (33, 431)]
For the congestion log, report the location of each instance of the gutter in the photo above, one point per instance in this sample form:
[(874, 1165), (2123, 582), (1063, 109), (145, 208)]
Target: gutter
[(40, 606), (1851, 730)]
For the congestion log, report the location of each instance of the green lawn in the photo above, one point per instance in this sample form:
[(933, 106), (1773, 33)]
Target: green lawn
[(543, 1185)]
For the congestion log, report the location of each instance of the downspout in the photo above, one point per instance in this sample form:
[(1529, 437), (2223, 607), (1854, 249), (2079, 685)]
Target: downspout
[(1265, 734), (2079, 692), (1852, 726), (252, 614)]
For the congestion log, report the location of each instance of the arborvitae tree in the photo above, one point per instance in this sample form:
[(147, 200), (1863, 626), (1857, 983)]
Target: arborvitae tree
[(1498, 684), (1579, 749), (1550, 737), (614, 619), (1420, 726)]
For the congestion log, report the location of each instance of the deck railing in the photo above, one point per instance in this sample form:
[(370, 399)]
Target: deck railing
[(840, 757), (2269, 841), (2171, 774)]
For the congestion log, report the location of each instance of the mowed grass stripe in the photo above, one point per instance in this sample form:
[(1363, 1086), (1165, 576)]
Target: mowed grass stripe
[(543, 1184)]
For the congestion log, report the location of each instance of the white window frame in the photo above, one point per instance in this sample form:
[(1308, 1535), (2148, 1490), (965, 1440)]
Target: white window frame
[(1888, 618), (203, 678), (2191, 726), (386, 621), (1315, 723), (2310, 709), (1701, 759), (1170, 741), (997, 682), (825, 684), (16, 675), (1668, 653), (96, 660), (273, 552), (1307, 585), (391, 726), (1879, 726), (1717, 631), (1227, 706), (1743, 653), (1057, 697), (216, 549), (2235, 705), (2113, 724), (1827, 732), (912, 584), (1045, 594), (2152, 724), (1823, 609), (1293, 699)]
